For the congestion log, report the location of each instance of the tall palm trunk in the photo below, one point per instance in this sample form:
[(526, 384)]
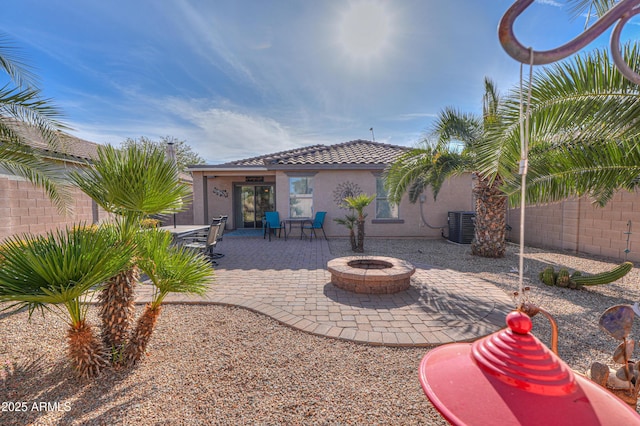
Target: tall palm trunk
[(491, 219), (117, 308), (141, 334), (86, 352)]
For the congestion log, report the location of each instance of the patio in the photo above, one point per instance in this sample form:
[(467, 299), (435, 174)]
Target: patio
[(288, 281)]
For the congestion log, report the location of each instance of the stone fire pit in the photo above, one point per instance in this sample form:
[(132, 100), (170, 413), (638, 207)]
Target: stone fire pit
[(371, 274)]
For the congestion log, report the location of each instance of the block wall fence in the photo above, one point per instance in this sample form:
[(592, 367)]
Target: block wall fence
[(25, 208), (578, 226)]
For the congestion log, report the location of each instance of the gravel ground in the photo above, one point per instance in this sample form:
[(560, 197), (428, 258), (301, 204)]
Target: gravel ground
[(221, 365)]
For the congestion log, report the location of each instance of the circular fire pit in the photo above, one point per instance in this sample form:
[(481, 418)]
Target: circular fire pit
[(371, 274)]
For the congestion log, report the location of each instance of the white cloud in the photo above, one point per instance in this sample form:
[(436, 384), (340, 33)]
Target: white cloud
[(550, 3), (413, 116)]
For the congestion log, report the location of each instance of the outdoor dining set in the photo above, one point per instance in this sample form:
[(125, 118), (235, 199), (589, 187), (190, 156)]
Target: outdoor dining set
[(272, 223)]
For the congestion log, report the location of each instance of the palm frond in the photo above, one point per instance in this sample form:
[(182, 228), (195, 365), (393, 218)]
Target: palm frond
[(172, 269), (420, 168), (593, 169), (136, 181), (453, 125), (58, 267), (13, 63), (595, 8), (581, 101)]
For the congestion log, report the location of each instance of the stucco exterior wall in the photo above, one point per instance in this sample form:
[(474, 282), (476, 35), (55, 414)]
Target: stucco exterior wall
[(578, 226), (455, 195), (27, 209)]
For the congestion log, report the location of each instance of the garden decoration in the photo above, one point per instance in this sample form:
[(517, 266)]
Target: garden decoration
[(627, 250), (577, 279), (623, 382), (510, 377), (619, 15), (345, 190)]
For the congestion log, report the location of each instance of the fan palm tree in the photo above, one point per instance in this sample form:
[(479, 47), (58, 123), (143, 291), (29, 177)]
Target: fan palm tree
[(431, 164), (358, 204), (56, 272), (171, 269), (133, 183), (21, 106), (349, 221), (584, 133)]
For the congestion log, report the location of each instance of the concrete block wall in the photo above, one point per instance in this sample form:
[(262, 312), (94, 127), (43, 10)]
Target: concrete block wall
[(579, 226), (25, 208)]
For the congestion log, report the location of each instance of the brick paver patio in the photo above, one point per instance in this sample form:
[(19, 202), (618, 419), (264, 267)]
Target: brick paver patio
[(288, 281)]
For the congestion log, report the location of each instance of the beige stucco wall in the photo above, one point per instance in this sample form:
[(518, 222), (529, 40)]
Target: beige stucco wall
[(579, 226), (27, 209), (455, 195)]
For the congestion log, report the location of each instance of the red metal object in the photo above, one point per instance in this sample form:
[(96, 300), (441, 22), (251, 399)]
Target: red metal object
[(511, 378)]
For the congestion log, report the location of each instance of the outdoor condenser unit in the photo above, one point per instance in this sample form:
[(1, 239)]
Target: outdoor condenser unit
[(461, 227)]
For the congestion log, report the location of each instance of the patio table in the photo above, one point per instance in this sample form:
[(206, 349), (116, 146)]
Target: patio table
[(181, 231), (298, 220)]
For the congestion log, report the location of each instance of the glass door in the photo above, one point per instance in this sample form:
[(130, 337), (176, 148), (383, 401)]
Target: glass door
[(265, 202), (251, 201)]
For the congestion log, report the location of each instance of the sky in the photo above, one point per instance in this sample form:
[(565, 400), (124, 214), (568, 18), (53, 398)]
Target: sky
[(240, 78)]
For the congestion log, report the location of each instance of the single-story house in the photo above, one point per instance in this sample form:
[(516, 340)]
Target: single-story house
[(300, 182)]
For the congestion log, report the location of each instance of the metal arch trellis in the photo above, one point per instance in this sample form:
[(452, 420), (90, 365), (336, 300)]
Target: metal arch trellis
[(618, 15)]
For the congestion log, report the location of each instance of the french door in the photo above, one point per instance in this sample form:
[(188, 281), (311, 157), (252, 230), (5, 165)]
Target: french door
[(251, 201)]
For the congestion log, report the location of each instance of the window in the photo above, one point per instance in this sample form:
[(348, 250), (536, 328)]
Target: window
[(301, 196), (384, 209)]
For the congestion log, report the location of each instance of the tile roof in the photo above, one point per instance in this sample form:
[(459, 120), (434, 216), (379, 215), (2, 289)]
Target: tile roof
[(357, 152), (68, 146), (266, 159)]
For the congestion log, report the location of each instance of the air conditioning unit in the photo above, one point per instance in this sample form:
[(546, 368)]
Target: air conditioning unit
[(461, 227)]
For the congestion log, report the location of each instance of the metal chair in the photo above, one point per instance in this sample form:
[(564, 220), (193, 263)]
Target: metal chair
[(206, 245), (317, 223), (223, 223), (272, 222)]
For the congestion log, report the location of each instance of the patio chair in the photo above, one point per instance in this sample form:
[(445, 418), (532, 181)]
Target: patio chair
[(223, 223), (272, 223), (206, 245), (317, 223)]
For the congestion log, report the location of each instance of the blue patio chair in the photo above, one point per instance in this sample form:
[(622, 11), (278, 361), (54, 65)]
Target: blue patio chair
[(318, 223), (272, 223)]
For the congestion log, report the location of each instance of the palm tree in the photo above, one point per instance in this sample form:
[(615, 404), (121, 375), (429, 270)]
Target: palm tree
[(584, 132), (171, 269), (133, 184), (357, 203), (56, 272), (349, 221), (22, 106), (431, 164)]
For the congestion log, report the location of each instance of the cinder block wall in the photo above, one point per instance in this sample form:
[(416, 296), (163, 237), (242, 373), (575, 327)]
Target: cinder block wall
[(578, 226), (25, 208)]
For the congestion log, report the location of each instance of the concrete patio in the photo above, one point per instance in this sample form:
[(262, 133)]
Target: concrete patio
[(288, 281)]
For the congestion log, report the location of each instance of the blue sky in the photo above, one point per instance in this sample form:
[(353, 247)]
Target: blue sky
[(241, 78)]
